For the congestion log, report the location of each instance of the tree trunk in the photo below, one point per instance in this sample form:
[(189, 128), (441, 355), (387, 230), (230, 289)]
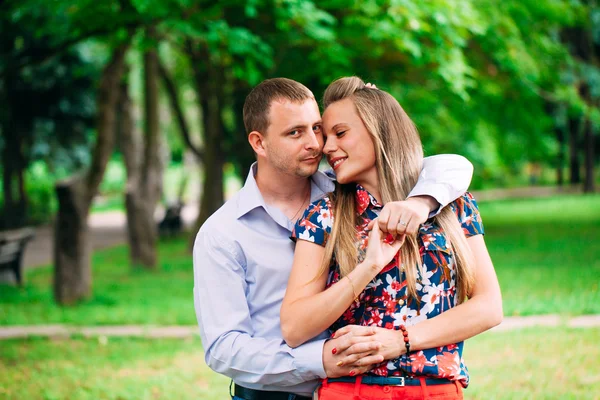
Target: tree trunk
[(72, 272), (209, 82), (144, 176), (131, 146), (214, 160), (575, 176), (243, 152), (7, 187), (560, 157), (173, 95), (13, 184), (588, 183)]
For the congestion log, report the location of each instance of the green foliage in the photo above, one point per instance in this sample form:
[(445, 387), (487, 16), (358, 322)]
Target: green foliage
[(479, 78), (114, 179), (40, 194)]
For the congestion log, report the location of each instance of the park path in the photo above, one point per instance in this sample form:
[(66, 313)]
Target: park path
[(107, 229), (187, 331)]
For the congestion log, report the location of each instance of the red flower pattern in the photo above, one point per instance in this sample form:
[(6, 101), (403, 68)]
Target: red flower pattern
[(385, 301)]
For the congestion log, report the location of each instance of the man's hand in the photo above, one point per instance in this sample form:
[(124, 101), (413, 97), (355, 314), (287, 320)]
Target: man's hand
[(405, 217), (348, 347), (390, 343)]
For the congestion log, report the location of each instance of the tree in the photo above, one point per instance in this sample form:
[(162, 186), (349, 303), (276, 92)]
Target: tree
[(56, 123), (72, 270), (144, 167)]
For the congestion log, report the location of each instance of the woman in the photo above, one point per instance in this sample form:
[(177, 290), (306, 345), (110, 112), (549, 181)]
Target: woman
[(409, 291)]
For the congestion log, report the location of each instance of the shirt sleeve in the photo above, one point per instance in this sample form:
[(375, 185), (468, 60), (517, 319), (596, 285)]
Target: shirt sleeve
[(231, 347), (467, 212), (444, 177), (315, 224)]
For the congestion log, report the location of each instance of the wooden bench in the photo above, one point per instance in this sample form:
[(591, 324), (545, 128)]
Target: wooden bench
[(12, 247)]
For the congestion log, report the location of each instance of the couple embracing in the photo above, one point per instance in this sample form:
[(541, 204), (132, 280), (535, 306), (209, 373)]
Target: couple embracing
[(362, 282)]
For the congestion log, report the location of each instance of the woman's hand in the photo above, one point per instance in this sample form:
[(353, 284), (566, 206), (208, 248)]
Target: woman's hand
[(390, 344), (382, 248), (349, 347), (405, 216)]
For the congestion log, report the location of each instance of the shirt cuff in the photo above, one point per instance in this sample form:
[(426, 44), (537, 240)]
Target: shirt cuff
[(308, 359), (439, 191)]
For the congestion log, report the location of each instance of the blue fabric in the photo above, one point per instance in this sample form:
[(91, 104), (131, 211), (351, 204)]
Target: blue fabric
[(385, 302), (242, 260)]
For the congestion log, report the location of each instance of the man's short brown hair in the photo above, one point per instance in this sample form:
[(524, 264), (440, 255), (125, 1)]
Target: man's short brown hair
[(258, 102)]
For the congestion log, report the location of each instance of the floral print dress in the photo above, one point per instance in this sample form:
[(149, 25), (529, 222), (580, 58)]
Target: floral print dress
[(385, 302)]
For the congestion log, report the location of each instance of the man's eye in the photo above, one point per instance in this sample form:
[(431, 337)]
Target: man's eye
[(317, 129), (295, 132)]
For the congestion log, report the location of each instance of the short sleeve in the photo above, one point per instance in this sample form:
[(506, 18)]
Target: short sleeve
[(315, 224), (467, 212)]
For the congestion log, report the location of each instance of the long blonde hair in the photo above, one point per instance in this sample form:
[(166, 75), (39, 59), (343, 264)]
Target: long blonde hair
[(399, 159)]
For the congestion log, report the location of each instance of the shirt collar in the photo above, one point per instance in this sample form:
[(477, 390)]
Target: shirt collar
[(364, 199), (251, 198)]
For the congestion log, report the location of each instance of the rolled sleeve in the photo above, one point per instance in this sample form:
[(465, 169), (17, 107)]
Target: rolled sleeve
[(444, 177)]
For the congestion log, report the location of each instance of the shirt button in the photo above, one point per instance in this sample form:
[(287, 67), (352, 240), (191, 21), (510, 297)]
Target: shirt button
[(401, 302), (387, 389)]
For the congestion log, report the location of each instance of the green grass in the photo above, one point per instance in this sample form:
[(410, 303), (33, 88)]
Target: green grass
[(107, 369), (121, 294), (539, 363), (524, 364), (545, 252)]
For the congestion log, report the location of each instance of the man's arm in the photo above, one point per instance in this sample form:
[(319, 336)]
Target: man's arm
[(443, 179), (226, 327)]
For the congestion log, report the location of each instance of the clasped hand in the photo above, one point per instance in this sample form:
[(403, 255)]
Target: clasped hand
[(359, 348)]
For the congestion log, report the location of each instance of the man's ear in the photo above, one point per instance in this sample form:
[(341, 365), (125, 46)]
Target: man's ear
[(256, 140)]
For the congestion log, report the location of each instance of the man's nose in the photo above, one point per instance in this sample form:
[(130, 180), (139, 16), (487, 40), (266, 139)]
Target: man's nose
[(312, 142)]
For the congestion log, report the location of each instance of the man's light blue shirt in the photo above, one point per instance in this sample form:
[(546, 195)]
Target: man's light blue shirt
[(242, 261), (243, 256)]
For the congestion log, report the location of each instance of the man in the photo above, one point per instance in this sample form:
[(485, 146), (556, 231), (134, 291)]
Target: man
[(243, 255)]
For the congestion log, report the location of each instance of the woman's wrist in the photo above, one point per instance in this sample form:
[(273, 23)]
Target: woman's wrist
[(370, 266), (400, 343)]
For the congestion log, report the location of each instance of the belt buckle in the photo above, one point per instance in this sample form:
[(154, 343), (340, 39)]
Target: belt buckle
[(401, 382)]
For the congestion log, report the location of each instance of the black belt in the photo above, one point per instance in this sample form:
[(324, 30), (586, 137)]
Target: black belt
[(252, 394), (391, 381)]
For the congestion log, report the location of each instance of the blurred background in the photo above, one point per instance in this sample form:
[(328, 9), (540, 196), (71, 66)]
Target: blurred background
[(121, 132)]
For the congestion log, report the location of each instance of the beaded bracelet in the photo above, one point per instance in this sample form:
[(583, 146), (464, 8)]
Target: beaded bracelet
[(407, 344)]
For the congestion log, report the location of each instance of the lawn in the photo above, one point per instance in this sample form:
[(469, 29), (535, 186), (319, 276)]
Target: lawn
[(121, 294), (521, 364), (545, 252)]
